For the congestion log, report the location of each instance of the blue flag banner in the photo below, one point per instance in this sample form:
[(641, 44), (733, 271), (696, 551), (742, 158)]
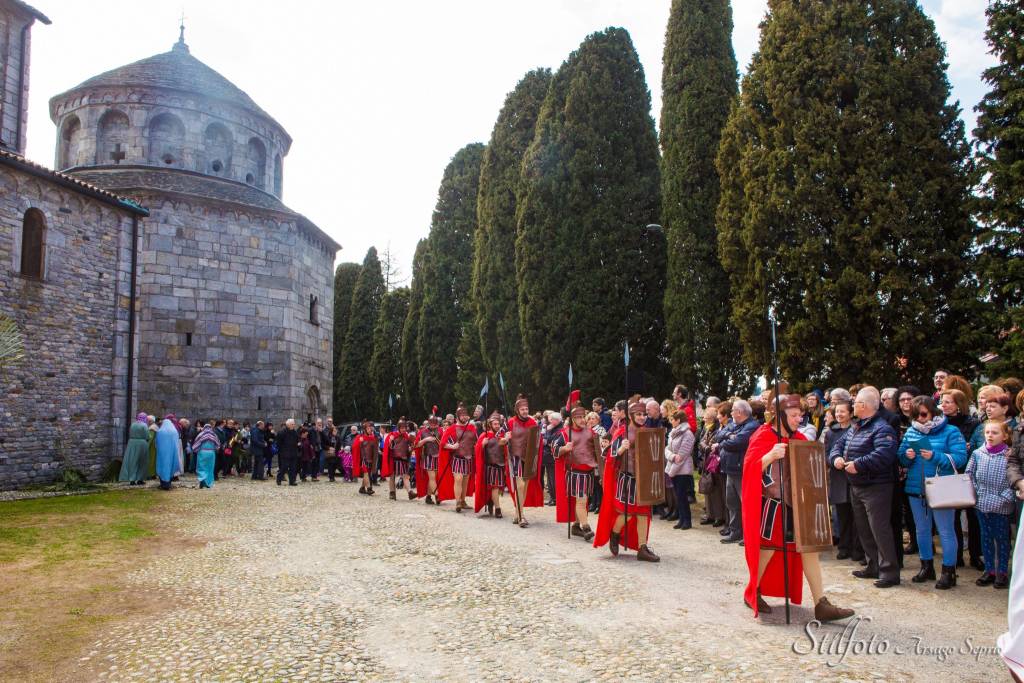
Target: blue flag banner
[(625, 355), (570, 375), (501, 380), (391, 401), (486, 387)]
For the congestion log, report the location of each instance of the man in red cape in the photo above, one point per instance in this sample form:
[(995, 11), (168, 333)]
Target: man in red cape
[(459, 441), (397, 453), (431, 459), (489, 457), (529, 491), (621, 521), (365, 449), (575, 464), (762, 521)]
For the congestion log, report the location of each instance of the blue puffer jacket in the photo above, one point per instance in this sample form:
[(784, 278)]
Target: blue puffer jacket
[(943, 438), (871, 444), (732, 445)]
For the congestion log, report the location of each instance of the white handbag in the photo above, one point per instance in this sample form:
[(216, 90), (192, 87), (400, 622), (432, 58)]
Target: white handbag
[(950, 491)]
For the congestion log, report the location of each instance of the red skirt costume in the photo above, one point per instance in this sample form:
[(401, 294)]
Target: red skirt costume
[(612, 506), (534, 489), (762, 526), (426, 464), (486, 475), (357, 449), (445, 478), (576, 480), (390, 464)]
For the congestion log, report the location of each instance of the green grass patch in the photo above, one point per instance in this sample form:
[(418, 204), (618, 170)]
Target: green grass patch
[(70, 528)]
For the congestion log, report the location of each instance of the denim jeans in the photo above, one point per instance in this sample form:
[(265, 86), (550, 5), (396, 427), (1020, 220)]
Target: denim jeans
[(923, 516)]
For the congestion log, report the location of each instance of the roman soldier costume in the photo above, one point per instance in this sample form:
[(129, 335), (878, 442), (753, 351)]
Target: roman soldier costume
[(489, 457), (431, 459), (365, 451), (575, 466), (763, 533), (621, 521), (460, 442), (526, 492), (398, 447)]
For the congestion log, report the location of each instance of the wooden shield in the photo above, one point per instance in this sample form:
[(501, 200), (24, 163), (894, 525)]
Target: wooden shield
[(530, 453), (807, 488), (650, 466)]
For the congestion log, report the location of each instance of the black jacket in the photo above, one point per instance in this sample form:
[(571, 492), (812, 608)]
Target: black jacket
[(732, 445), (288, 443)]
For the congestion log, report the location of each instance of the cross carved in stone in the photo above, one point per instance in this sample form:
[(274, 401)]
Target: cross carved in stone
[(118, 154)]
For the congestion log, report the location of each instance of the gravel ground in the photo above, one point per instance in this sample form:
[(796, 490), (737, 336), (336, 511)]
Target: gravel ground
[(318, 583)]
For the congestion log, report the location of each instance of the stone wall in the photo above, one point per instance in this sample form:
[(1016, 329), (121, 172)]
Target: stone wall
[(224, 311), (11, 23), (70, 388)]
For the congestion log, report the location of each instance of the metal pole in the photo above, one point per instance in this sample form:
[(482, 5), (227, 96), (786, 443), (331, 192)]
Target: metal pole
[(782, 478)]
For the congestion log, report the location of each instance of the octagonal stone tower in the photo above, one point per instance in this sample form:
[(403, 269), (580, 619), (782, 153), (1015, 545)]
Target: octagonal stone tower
[(235, 289)]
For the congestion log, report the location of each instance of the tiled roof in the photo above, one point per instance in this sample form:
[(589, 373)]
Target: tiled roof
[(177, 70), (31, 10), (132, 179), (21, 163)]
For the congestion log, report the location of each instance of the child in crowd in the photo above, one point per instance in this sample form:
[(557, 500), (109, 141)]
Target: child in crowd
[(987, 468)]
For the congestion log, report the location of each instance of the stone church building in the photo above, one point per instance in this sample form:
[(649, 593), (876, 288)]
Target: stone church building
[(170, 278)]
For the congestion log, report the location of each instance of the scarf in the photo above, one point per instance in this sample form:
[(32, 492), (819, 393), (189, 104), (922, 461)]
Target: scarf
[(996, 450), (206, 436), (935, 423)]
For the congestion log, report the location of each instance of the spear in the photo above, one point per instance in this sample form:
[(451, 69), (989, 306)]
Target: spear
[(782, 479)]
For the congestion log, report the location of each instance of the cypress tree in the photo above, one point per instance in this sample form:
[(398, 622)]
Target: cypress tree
[(447, 275), (590, 275), (386, 361), (410, 361), (843, 191), (471, 370), (698, 86), (344, 282), (355, 390), (1000, 150), (494, 270)]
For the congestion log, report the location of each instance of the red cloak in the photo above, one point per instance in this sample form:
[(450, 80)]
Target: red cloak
[(445, 478), (534, 489), (772, 584), (386, 464), (606, 518), (480, 471), (565, 505), (357, 459)]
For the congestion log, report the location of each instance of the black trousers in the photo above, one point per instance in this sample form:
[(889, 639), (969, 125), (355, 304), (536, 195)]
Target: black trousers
[(682, 484), (333, 463), (549, 477), (849, 541), (872, 510), (289, 464), (258, 471)]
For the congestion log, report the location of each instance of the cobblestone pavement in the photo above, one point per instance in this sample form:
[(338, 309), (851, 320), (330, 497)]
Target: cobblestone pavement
[(318, 583)]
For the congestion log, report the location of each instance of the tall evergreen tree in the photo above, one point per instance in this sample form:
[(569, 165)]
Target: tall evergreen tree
[(356, 394), (410, 361), (698, 86), (447, 275), (1000, 146), (844, 183), (590, 275), (471, 370), (344, 282), (494, 269), (386, 361)]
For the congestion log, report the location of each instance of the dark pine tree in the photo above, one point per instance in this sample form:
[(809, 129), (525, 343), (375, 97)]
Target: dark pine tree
[(355, 392), (590, 274), (386, 361), (447, 274), (494, 268), (1000, 148), (698, 86), (344, 282), (410, 361), (844, 182)]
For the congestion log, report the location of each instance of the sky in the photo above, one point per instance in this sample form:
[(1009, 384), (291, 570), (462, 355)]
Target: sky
[(378, 96)]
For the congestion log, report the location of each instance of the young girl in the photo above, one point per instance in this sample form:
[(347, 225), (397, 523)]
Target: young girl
[(987, 468)]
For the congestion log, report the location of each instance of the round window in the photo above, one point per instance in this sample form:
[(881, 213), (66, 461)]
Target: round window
[(217, 166)]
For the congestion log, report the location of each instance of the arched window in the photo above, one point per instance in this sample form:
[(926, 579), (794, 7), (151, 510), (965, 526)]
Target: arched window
[(256, 166), (278, 179), (217, 149), (70, 141), (33, 244), (166, 140), (314, 314), (112, 142)]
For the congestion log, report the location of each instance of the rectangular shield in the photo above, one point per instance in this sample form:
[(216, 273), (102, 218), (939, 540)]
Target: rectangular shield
[(531, 452), (650, 466), (807, 482)]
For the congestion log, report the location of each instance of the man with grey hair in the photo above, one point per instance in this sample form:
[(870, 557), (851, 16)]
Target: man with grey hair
[(732, 441), (867, 453)]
